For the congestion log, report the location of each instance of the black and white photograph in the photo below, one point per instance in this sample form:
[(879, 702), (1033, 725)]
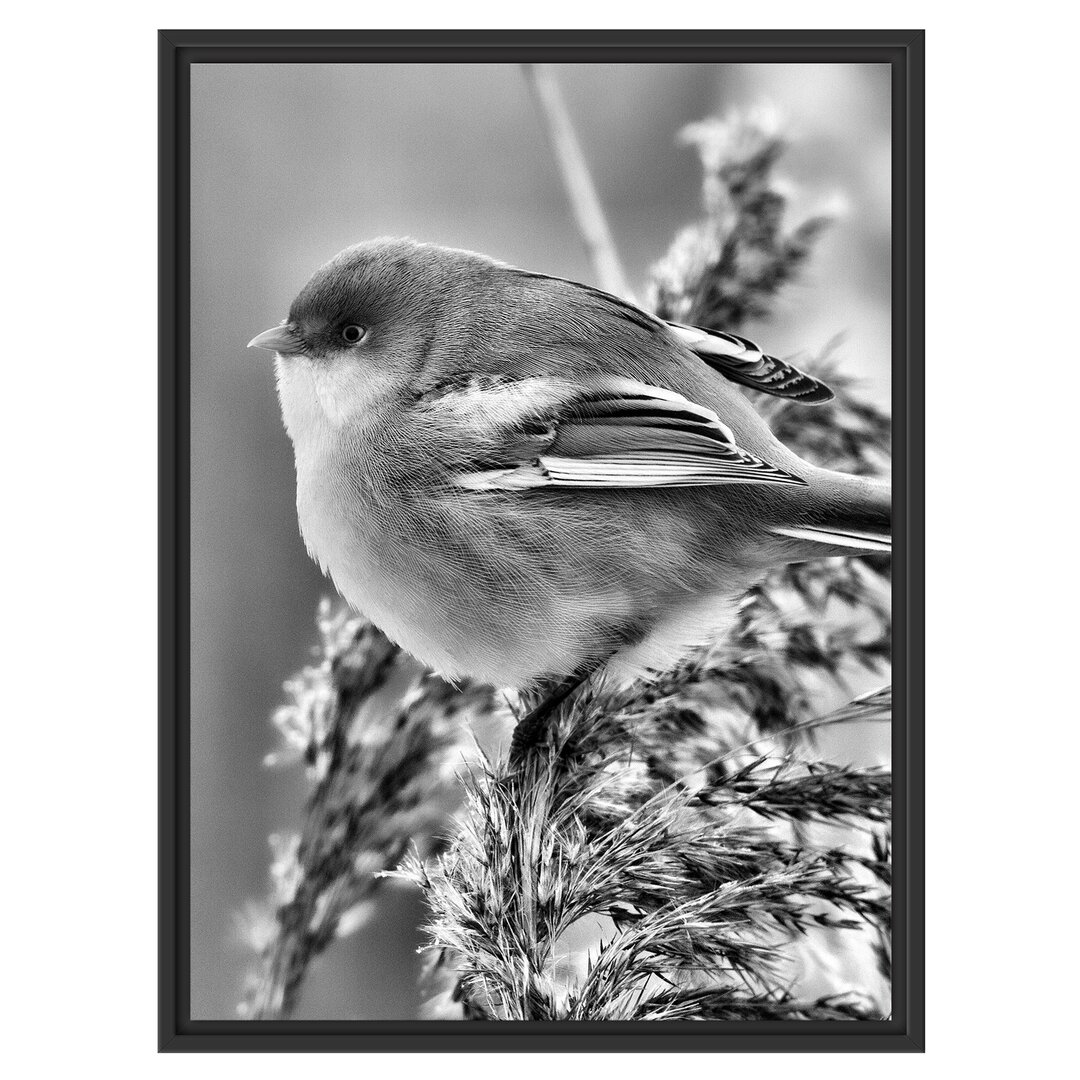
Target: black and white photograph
[(538, 549), (540, 432)]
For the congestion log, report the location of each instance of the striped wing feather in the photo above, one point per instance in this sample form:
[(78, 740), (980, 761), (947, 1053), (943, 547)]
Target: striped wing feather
[(741, 361), (627, 434)]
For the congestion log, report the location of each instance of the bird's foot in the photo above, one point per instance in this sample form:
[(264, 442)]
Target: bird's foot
[(533, 728), (529, 733)]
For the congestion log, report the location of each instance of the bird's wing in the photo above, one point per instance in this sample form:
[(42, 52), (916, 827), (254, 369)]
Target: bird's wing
[(741, 361), (617, 433), (736, 358)]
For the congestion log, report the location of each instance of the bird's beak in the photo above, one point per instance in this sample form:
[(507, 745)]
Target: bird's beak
[(278, 339)]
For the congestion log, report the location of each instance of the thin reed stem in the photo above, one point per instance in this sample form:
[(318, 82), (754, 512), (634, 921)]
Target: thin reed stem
[(580, 190)]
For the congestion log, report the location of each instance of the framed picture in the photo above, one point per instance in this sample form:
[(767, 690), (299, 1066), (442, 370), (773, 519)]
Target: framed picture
[(541, 591)]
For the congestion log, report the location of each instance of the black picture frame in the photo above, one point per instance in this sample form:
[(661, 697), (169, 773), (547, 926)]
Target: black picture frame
[(178, 50)]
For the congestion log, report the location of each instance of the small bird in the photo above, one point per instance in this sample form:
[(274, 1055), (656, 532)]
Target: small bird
[(527, 481)]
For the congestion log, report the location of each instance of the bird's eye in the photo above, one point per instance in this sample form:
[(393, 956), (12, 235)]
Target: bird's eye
[(352, 333)]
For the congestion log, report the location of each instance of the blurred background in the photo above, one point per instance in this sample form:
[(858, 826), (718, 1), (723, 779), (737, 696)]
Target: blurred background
[(290, 163)]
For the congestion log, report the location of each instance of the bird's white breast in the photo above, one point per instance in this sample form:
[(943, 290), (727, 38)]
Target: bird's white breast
[(327, 503), (341, 530)]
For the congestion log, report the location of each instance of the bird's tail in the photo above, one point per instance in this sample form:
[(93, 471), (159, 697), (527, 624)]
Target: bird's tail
[(850, 513)]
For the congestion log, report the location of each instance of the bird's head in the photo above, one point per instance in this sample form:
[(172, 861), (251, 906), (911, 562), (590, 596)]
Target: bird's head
[(360, 329)]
